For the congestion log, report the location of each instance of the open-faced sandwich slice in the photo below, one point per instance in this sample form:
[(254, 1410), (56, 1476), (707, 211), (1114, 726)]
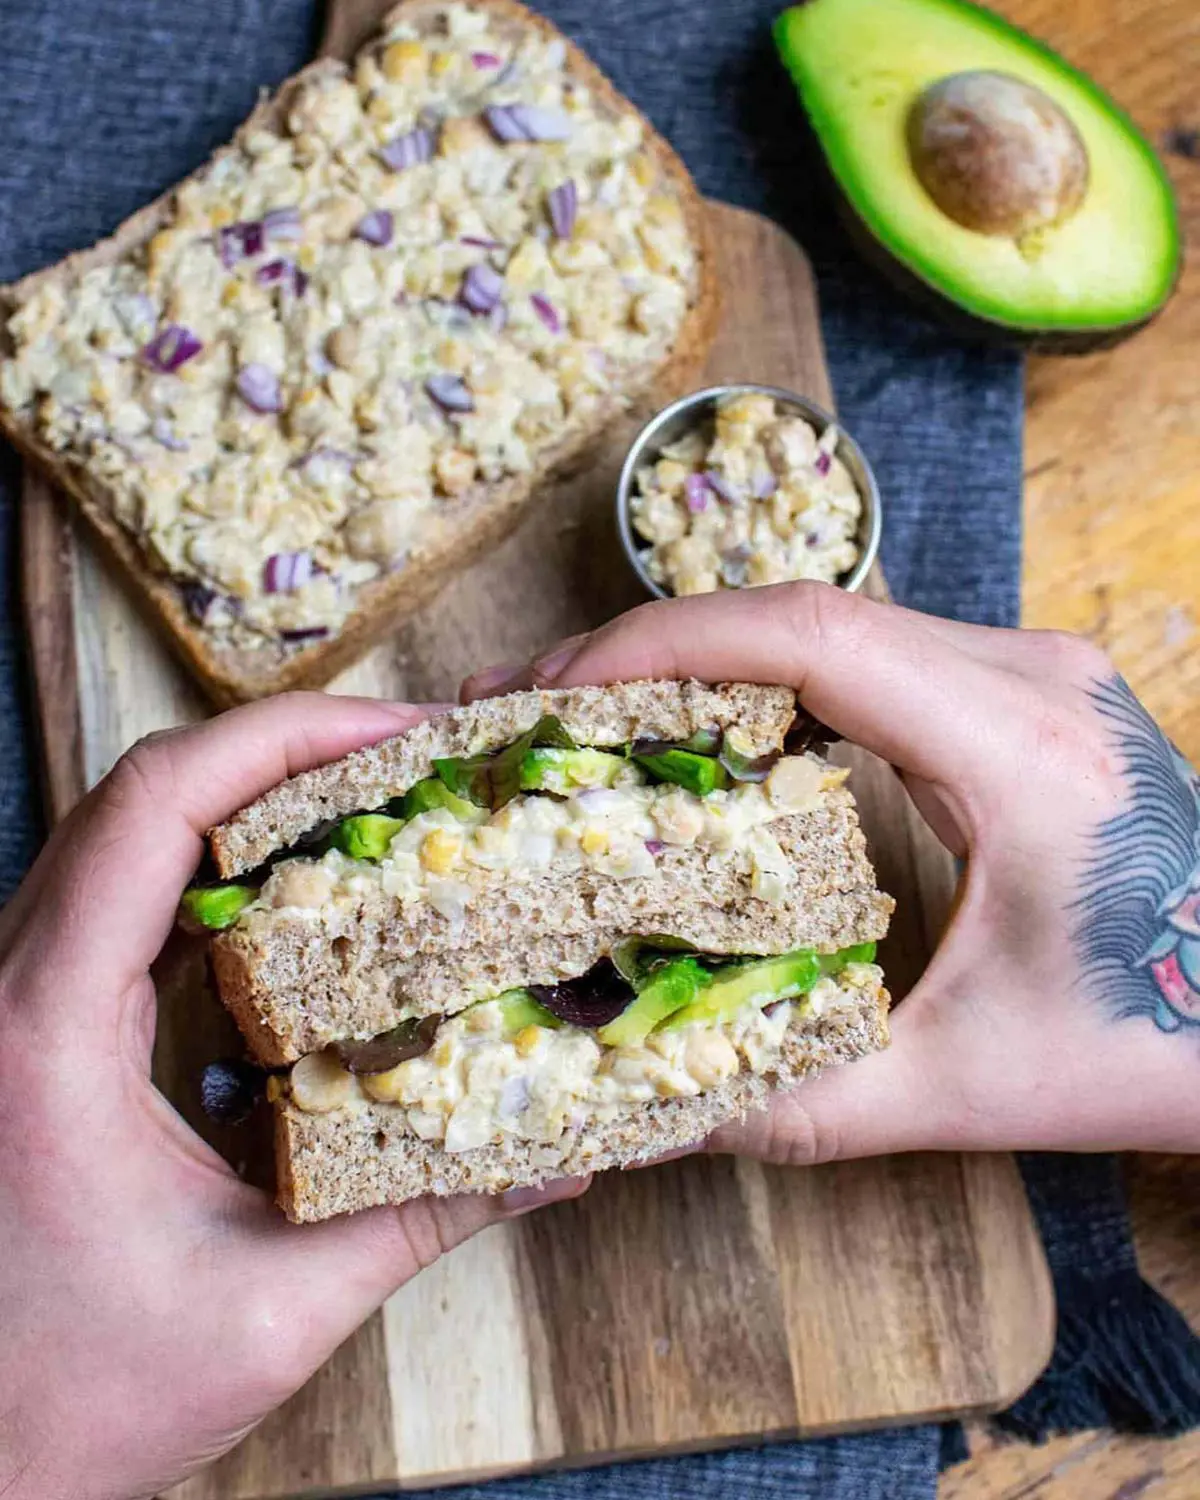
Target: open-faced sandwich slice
[(545, 934), (330, 368)]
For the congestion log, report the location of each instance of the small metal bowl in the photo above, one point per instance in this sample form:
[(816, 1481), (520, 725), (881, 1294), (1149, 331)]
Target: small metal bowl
[(688, 412)]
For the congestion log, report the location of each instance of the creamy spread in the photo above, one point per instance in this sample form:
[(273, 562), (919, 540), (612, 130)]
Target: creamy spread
[(445, 255), (478, 1084), (760, 499), (620, 831)]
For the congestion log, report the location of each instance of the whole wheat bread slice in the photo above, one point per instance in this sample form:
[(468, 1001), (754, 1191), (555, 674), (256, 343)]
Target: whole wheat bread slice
[(358, 1158), (463, 529)]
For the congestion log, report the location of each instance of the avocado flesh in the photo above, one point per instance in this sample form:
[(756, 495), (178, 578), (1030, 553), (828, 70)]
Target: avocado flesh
[(861, 64), (432, 794), (563, 771), (366, 835), (759, 983), (519, 1009), (669, 989)]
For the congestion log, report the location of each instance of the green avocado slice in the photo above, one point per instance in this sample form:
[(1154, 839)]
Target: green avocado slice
[(366, 835), (564, 771), (762, 981), (432, 794), (1103, 267), (520, 1009), (700, 774), (669, 989), (217, 906)]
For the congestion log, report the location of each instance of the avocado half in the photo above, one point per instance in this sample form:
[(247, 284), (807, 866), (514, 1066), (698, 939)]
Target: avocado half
[(985, 175)]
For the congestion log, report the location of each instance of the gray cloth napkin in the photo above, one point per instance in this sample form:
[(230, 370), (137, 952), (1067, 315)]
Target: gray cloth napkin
[(103, 106)]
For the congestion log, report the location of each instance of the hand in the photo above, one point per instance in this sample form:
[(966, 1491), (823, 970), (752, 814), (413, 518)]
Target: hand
[(154, 1306), (1062, 1007)]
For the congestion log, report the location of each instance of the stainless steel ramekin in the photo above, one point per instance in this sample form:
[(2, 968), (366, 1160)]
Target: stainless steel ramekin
[(674, 420)]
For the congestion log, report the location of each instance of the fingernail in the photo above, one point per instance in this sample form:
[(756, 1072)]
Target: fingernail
[(521, 1200), (548, 669), (480, 684)]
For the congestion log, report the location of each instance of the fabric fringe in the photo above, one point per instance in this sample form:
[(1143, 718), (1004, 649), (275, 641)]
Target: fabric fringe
[(1124, 1357)]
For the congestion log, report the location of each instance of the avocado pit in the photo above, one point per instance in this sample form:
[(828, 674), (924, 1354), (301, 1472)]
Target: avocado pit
[(997, 155)]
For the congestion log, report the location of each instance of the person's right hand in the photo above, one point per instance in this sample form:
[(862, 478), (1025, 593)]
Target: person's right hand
[(1062, 1008)]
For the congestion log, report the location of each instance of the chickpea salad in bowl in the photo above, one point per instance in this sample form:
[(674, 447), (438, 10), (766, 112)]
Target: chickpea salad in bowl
[(743, 485)]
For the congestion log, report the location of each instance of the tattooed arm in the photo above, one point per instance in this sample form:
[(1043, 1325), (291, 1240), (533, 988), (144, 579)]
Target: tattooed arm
[(1062, 1009)]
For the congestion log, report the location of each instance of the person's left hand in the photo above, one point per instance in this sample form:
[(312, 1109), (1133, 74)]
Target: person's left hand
[(154, 1306)]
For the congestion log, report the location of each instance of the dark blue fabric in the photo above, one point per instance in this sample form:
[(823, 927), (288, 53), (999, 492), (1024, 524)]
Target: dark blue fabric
[(103, 106)]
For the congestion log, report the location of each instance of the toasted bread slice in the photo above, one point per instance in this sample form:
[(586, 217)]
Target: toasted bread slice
[(460, 530)]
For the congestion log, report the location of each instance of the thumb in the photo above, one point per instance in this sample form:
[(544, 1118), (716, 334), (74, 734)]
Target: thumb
[(888, 1102)]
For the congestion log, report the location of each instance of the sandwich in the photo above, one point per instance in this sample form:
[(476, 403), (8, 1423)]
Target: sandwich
[(543, 935), (332, 367)]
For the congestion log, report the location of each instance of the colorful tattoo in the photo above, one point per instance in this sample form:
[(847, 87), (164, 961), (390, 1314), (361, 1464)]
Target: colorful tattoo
[(1138, 917)]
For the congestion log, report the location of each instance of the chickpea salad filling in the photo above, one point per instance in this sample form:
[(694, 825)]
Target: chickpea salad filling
[(755, 497), (654, 1021), (439, 259), (540, 805)]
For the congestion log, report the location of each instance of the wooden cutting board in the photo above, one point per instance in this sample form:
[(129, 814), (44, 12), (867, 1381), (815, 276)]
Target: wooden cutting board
[(703, 1303)]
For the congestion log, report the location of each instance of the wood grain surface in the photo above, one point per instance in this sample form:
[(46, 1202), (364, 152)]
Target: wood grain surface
[(694, 1305), (1112, 549)]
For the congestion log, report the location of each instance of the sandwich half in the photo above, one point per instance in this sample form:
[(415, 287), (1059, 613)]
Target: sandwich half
[(542, 935)]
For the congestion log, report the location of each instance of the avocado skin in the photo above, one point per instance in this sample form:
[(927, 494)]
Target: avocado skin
[(939, 305)]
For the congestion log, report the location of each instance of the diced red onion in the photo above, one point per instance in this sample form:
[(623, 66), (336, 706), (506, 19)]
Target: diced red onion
[(696, 492), (765, 486), (450, 392), (283, 224), (486, 60), (171, 347), (481, 287), (241, 241), (546, 310), (527, 122), (823, 463), (258, 386), (498, 317), (408, 150), (285, 274), (480, 242), (563, 203), (376, 227), (285, 572), (655, 846), (812, 539), (721, 487), (162, 432), (305, 633)]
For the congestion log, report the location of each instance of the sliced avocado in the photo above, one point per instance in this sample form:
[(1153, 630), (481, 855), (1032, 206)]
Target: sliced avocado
[(366, 835), (432, 794), (695, 773), (520, 1009), (761, 981), (563, 771), (217, 906), (857, 953), (982, 172), (669, 989)]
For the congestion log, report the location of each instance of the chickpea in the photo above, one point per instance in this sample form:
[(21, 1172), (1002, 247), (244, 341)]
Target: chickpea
[(320, 1084), (299, 882)]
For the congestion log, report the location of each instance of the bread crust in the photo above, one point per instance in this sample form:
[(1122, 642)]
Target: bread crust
[(367, 778), (355, 1159), (465, 529)]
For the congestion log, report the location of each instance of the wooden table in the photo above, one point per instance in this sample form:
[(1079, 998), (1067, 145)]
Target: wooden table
[(1112, 549)]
